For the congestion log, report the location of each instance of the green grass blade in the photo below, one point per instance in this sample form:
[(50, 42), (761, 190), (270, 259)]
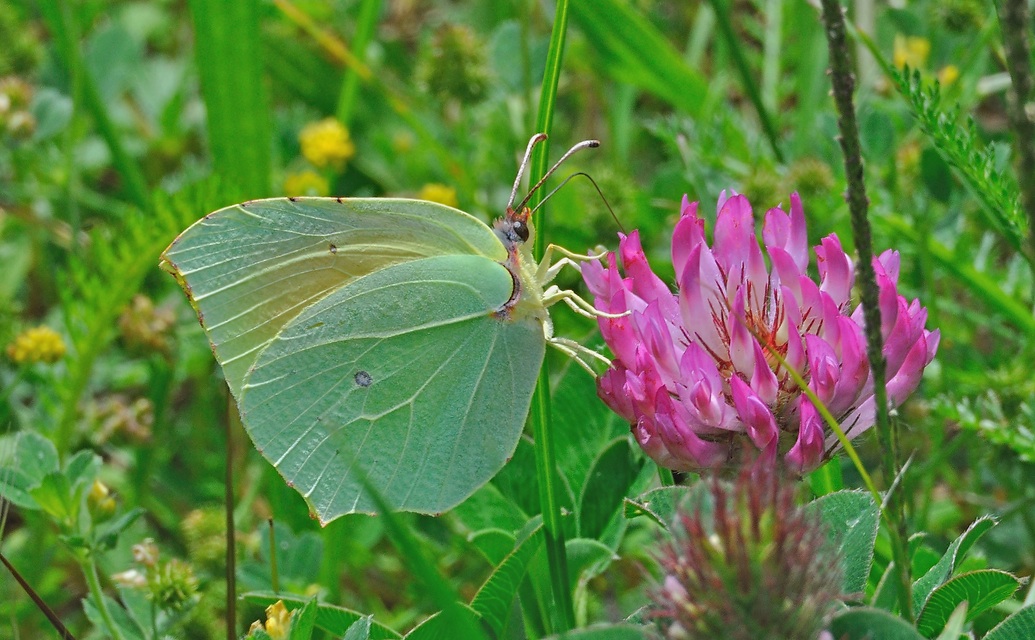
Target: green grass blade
[(228, 54), (366, 23), (540, 415), (634, 51), (747, 76)]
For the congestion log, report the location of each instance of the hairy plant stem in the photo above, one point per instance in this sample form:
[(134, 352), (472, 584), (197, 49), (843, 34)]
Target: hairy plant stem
[(843, 81), (1014, 22)]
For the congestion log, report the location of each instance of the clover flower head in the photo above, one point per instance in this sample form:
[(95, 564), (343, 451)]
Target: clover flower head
[(439, 193), (36, 344), (703, 373), (306, 183), (746, 562), (326, 143)]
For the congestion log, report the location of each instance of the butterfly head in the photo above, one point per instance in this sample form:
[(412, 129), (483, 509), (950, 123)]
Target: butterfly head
[(515, 228)]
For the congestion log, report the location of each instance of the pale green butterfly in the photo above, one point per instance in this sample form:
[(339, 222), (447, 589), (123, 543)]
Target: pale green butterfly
[(399, 336)]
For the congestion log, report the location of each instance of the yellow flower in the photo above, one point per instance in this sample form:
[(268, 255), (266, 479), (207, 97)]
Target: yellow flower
[(306, 183), (100, 500), (911, 50), (326, 143), (278, 620), (38, 344), (949, 74), (439, 193)]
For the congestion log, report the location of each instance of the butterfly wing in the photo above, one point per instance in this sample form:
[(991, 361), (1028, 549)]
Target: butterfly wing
[(406, 376), (249, 269), (361, 336)]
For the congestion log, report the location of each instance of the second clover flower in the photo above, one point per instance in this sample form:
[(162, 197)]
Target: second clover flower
[(695, 372)]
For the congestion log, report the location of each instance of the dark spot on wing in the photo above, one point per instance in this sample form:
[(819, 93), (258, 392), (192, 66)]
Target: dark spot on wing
[(334, 248), (363, 379), (292, 198), (339, 200)]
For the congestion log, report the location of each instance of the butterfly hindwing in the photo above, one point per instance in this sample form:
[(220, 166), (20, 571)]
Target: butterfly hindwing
[(407, 375)]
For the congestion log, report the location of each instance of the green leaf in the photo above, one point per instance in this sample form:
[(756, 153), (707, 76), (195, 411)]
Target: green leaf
[(1019, 626), (108, 532), (303, 621), (494, 544), (360, 629), (331, 618), (851, 519), (587, 558), (54, 496), (981, 589), (493, 601), (26, 458), (123, 622), (657, 504), (583, 426), (940, 572), (863, 623), (953, 629), (610, 478), (440, 627)]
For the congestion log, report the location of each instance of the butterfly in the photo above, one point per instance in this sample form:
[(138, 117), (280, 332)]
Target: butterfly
[(394, 338)]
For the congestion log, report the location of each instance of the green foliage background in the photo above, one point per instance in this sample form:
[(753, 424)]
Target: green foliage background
[(123, 122)]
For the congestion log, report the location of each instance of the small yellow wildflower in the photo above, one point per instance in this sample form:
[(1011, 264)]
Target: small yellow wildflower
[(278, 621), (100, 501), (439, 193), (306, 183), (912, 51), (949, 74), (38, 344), (326, 143)]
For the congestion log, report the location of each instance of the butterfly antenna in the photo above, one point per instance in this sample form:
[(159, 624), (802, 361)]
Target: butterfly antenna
[(536, 139), (585, 144), (595, 186)]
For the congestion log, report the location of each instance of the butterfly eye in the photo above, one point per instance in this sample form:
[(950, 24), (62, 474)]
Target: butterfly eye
[(521, 230)]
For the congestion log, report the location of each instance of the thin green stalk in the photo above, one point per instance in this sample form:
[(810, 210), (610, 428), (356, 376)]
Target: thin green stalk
[(843, 82), (93, 582), (542, 427), (366, 23), (1014, 22), (747, 76), (232, 420)]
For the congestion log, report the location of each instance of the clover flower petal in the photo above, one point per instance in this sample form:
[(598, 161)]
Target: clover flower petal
[(698, 373)]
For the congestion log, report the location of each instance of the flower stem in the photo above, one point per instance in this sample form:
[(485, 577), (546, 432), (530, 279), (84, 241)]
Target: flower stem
[(1014, 22), (545, 455), (843, 82), (93, 582)]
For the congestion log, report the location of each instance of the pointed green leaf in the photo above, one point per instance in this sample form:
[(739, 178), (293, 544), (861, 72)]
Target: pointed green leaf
[(610, 477), (1019, 626), (360, 629), (493, 601), (303, 621), (982, 590), (950, 560)]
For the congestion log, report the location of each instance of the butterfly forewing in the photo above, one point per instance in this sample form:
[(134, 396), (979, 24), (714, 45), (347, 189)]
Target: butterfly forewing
[(251, 268)]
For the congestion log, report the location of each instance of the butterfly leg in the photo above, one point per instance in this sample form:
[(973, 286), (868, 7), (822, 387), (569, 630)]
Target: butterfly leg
[(577, 303), (546, 271), (576, 351)]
